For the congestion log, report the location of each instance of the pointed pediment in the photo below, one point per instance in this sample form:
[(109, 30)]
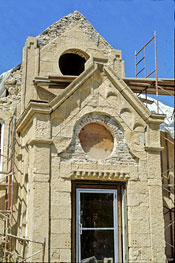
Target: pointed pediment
[(67, 22), (101, 84)]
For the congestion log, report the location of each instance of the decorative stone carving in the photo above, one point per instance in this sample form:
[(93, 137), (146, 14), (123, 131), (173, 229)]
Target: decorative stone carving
[(120, 154), (99, 171), (107, 175), (127, 116)]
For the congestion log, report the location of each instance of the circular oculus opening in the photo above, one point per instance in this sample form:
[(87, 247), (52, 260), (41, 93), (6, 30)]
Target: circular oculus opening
[(71, 64), (96, 141)]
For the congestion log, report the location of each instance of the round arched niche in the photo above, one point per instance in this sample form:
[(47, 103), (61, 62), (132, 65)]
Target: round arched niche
[(72, 62), (96, 141)]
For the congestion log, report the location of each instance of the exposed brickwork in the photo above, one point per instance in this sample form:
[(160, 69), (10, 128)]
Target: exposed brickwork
[(120, 154)]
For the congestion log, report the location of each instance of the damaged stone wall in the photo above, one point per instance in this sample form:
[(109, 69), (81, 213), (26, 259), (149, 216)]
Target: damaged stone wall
[(120, 155), (136, 145), (167, 172), (12, 86), (10, 91), (56, 29), (49, 154)]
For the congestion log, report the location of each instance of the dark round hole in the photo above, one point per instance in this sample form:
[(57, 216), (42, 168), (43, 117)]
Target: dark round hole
[(71, 64)]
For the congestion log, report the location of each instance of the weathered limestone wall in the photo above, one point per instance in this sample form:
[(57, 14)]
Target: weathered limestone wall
[(49, 155), (34, 138), (139, 172), (56, 30), (55, 158), (41, 55), (167, 171), (12, 85), (49, 55), (30, 70)]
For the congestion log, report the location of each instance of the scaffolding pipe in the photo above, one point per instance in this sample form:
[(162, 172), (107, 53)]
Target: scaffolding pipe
[(157, 91), (26, 239), (135, 64), (145, 68), (145, 45)]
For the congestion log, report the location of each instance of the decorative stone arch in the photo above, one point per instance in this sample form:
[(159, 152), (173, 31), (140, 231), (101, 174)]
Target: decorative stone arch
[(77, 51), (98, 117), (120, 153)]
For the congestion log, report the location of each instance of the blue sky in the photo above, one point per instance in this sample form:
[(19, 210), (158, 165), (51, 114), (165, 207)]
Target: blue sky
[(125, 24)]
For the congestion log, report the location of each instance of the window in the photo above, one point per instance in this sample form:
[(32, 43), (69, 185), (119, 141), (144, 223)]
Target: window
[(72, 62), (97, 223)]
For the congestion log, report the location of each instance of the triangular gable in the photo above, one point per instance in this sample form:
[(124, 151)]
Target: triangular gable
[(67, 22), (94, 66)]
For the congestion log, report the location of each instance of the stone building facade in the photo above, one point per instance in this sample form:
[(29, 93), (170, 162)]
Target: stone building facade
[(87, 171)]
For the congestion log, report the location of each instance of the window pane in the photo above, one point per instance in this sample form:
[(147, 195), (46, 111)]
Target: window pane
[(97, 244), (96, 210)]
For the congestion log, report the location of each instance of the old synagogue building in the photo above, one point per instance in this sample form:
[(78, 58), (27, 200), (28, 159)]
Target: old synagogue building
[(82, 159)]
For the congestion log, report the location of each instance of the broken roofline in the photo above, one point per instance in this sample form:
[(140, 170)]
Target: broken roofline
[(66, 22)]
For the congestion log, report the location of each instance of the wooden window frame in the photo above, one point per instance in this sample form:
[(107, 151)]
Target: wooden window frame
[(96, 185)]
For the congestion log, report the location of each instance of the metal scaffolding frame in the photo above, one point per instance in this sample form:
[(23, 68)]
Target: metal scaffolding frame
[(7, 183), (168, 183), (145, 68)]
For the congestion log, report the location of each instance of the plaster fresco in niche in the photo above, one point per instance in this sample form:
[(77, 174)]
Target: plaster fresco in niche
[(119, 151)]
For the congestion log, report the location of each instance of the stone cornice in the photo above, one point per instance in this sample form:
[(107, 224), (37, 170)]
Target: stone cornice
[(98, 60), (100, 171), (78, 82), (104, 175), (39, 141), (32, 108), (146, 115), (92, 66), (156, 118), (153, 149)]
